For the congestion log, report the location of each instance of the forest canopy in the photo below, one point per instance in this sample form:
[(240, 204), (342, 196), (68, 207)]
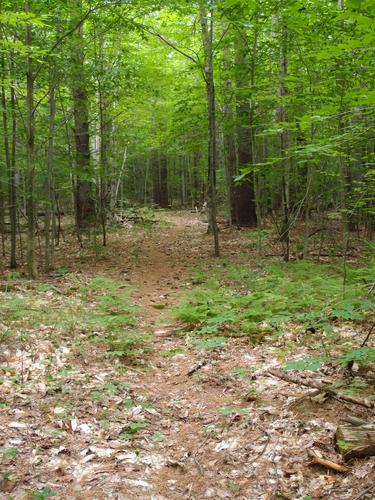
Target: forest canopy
[(262, 109)]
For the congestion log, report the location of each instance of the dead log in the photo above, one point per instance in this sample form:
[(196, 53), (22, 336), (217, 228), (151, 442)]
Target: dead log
[(321, 387), (356, 441)]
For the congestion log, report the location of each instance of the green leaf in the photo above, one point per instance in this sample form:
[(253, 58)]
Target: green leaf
[(43, 494), (364, 354), (229, 410), (211, 343), (312, 364)]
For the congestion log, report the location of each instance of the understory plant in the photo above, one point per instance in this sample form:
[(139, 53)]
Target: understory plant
[(101, 310), (259, 303)]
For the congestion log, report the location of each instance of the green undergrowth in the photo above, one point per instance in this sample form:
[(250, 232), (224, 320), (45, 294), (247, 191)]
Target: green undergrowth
[(99, 312), (143, 216), (257, 301)]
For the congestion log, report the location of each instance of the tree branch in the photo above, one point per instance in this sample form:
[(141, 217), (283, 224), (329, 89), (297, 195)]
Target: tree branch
[(60, 40), (170, 44)]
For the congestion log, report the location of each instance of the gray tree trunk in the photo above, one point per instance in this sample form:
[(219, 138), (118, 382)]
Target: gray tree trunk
[(207, 25)]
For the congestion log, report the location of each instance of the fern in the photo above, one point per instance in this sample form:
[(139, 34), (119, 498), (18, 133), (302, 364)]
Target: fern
[(237, 300)]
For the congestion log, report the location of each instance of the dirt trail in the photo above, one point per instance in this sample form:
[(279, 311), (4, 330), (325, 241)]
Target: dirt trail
[(225, 431), (223, 436), (189, 407)]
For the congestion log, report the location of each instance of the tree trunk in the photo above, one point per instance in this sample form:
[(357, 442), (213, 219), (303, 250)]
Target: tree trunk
[(155, 178), (104, 164), (116, 185), (244, 194), (229, 133), (160, 196), (12, 176), (197, 199), (163, 182), (344, 166), (85, 205), (7, 172), (284, 145), (30, 148), (207, 25), (50, 191)]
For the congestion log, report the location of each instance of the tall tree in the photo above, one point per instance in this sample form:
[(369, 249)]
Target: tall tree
[(244, 193), (85, 205), (207, 25), (30, 149)]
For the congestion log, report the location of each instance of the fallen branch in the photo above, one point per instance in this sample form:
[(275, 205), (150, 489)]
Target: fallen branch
[(368, 335), (364, 492), (321, 387), (316, 460), (355, 420), (197, 367)]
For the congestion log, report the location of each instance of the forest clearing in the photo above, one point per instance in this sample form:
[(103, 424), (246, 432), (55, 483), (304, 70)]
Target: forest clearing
[(187, 257)]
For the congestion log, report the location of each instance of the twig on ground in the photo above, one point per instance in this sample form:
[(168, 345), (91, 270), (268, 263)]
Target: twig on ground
[(199, 467), (261, 452), (321, 387), (364, 492), (194, 455), (355, 420), (197, 367), (275, 489), (316, 460), (303, 398), (368, 335)]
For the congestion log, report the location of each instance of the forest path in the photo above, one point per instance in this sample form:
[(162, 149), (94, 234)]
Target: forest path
[(227, 430), (85, 425), (186, 407), (193, 451)]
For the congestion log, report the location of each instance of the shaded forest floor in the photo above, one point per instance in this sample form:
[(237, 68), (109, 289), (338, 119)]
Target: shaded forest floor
[(156, 414)]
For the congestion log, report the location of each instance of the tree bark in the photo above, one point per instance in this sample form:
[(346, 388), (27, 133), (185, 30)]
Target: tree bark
[(229, 135), (207, 25), (163, 182), (244, 193), (356, 441), (284, 145), (155, 178), (50, 191), (85, 205), (12, 175), (6, 152), (30, 149), (105, 190)]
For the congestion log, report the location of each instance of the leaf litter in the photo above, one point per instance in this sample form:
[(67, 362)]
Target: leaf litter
[(76, 423)]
